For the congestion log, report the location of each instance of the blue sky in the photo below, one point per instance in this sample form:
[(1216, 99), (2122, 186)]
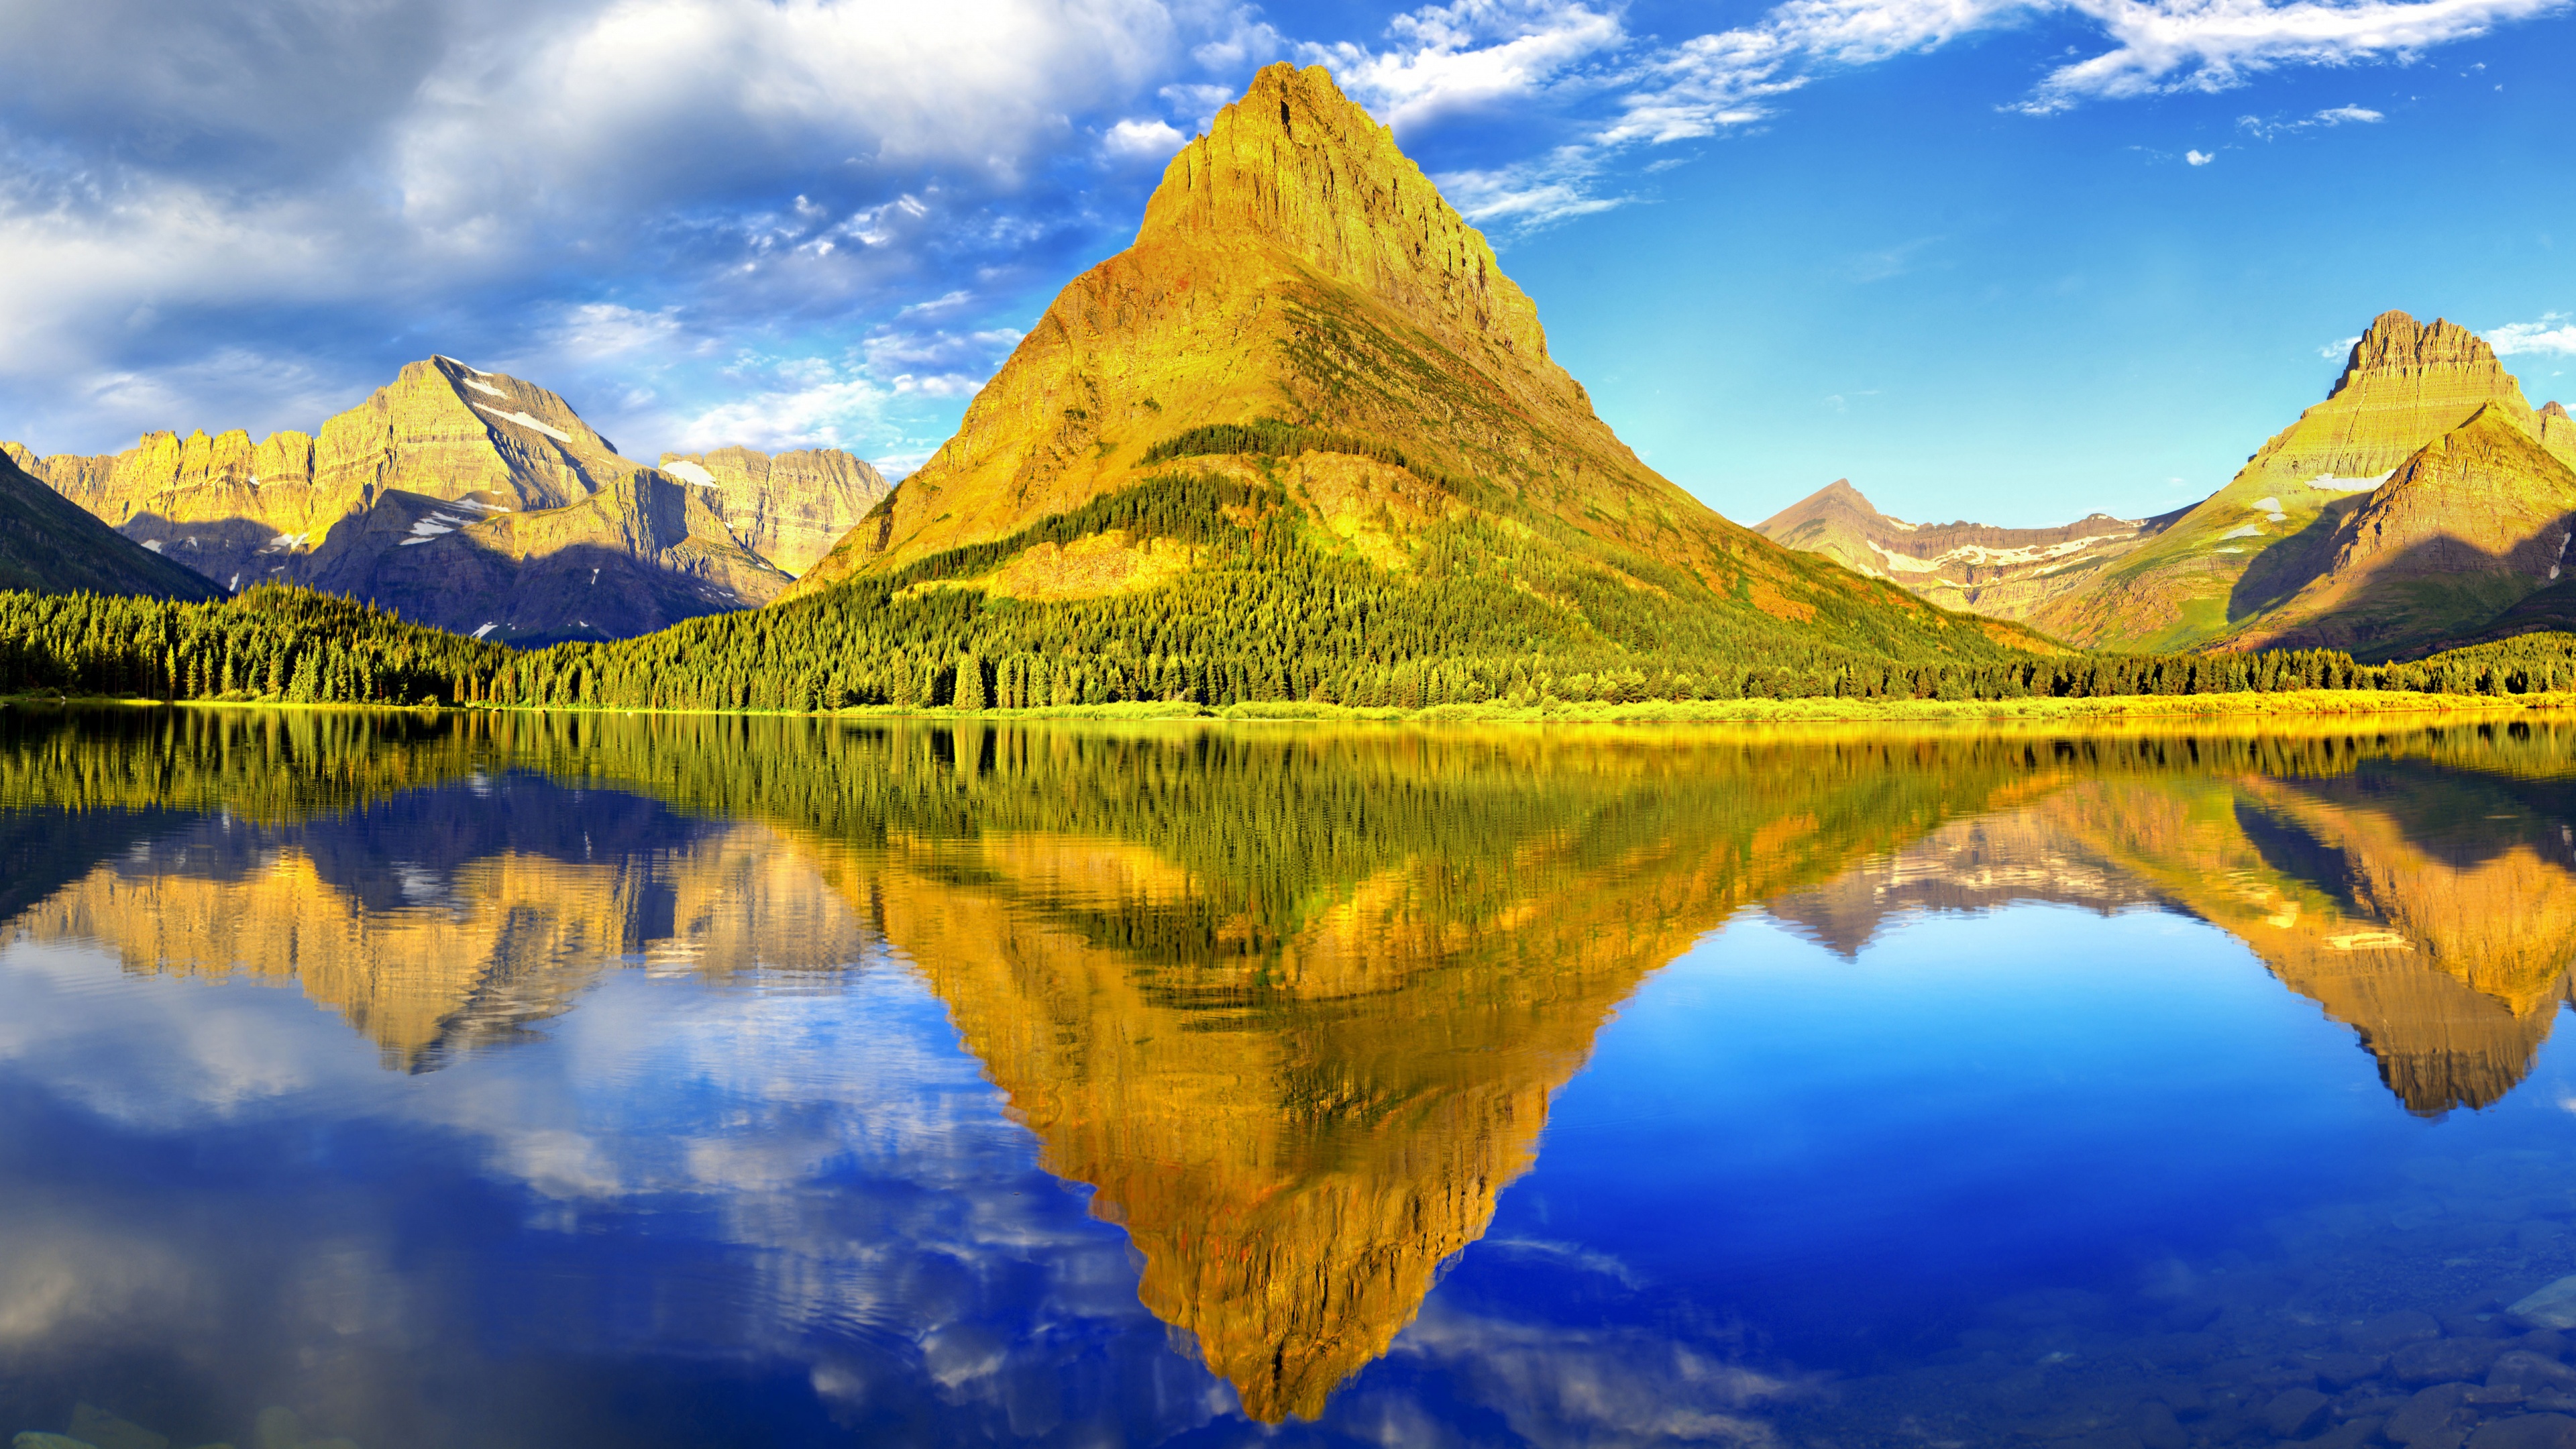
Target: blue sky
[(2012, 260)]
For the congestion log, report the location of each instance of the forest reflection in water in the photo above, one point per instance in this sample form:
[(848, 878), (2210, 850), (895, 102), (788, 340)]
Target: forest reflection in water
[(1290, 1004)]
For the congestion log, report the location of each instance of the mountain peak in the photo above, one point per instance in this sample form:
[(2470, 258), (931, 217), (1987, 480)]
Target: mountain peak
[(1841, 491), (1298, 167), (2396, 344)]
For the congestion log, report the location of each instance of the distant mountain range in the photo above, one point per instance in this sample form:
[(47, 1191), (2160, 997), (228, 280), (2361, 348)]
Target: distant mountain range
[(2423, 504), (478, 503), (2008, 572), (1304, 440)]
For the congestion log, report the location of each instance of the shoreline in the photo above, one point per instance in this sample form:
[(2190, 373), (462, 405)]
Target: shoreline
[(2292, 705)]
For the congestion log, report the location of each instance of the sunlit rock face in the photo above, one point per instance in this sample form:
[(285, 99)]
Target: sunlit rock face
[(2259, 539), (2467, 527), (789, 508), (50, 545), (466, 499)]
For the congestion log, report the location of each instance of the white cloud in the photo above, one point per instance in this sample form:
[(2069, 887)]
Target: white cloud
[(602, 329), (1146, 140), (2554, 335), (1618, 91), (2199, 158), (1471, 55), (2337, 351), (2163, 46)]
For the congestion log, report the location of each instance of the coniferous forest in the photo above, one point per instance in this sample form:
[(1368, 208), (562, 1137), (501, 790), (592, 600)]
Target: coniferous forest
[(1265, 614)]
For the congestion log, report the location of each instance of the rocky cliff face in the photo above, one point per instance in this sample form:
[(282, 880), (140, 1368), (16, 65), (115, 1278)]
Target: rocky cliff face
[(453, 496), (2261, 538), (48, 545), (2462, 530), (2007, 572), (789, 509), (1295, 269)]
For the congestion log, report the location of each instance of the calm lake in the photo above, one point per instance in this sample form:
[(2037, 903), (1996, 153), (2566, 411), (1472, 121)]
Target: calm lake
[(574, 1081)]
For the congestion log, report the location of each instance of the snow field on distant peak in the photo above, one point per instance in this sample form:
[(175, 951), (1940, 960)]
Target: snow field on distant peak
[(525, 421)]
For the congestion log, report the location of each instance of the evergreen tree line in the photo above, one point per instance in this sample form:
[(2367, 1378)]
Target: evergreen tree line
[(1271, 610), (270, 642), (1270, 438)]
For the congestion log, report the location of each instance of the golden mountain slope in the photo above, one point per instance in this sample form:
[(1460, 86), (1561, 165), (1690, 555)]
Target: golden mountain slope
[(2463, 530), (1294, 267), (2259, 539)]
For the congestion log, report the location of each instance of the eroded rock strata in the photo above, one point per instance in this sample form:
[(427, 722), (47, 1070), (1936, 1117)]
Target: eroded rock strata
[(789, 508), (2252, 545), (2008, 572)]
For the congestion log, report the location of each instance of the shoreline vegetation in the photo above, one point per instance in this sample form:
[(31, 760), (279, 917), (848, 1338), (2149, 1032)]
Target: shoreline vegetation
[(2318, 704), (282, 646)]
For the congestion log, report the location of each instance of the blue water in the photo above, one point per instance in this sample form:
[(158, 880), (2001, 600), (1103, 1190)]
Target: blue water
[(725, 1170)]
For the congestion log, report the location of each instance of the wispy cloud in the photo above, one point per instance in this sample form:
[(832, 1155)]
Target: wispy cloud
[(2164, 46), (2554, 335), (2265, 128), (2199, 158), (1614, 91), (627, 193)]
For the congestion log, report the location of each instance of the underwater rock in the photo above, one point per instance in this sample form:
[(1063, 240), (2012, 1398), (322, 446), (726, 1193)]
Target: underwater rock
[(2445, 1360), (2553, 1306), (2527, 1431), (2426, 1416), (2295, 1413), (2528, 1373)]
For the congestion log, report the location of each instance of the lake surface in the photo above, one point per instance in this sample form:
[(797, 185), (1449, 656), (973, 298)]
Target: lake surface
[(597, 1081)]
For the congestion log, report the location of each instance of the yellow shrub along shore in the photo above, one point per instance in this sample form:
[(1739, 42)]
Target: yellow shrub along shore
[(2337, 704)]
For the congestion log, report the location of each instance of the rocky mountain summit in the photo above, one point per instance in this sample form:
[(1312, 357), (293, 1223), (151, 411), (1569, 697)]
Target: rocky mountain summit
[(2465, 529), (2248, 548), (466, 499), (791, 508), (2007, 572), (1306, 325), (2424, 503)]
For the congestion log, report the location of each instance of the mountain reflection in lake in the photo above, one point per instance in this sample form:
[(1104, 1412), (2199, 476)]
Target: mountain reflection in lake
[(702, 1082)]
